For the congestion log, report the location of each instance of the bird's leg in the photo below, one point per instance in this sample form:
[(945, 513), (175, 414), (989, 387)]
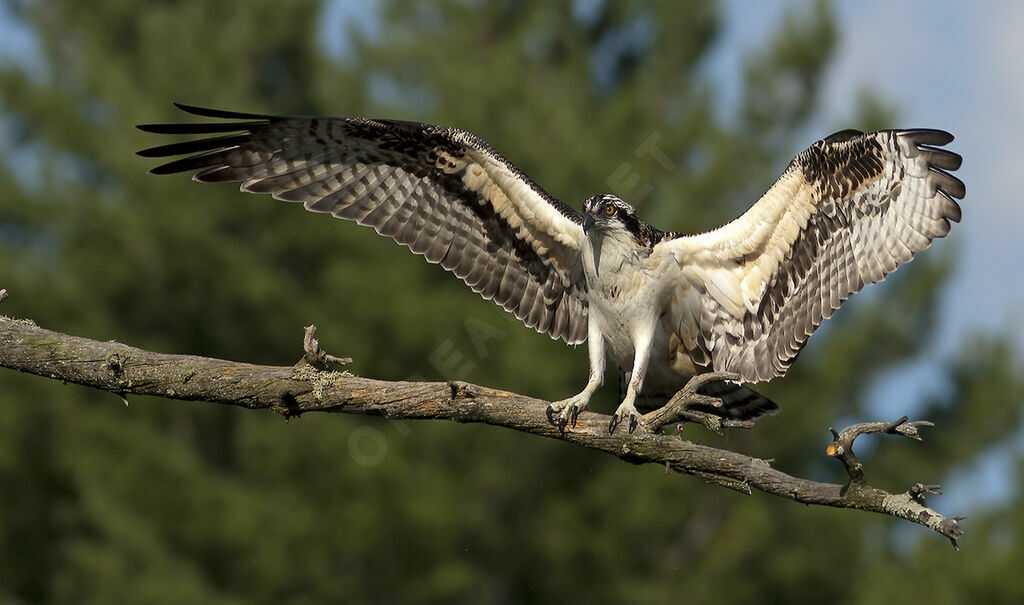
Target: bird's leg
[(641, 357), (568, 410)]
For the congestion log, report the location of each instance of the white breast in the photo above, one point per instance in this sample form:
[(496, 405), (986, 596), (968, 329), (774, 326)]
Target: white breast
[(623, 294)]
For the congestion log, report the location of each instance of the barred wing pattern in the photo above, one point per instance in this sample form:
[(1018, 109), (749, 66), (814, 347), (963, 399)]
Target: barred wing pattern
[(442, 192), (845, 213)]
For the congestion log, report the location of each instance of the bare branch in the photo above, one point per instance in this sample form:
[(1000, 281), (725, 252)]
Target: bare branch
[(293, 390), (683, 406), (316, 356), (841, 447)]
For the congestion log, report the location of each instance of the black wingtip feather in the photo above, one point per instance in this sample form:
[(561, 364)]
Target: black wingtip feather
[(955, 212), (193, 146), (199, 128), (195, 162), (168, 168), (949, 184), (942, 158), (928, 136), (207, 112), (207, 128)]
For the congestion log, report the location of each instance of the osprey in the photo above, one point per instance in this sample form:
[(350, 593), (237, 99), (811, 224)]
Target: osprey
[(741, 299)]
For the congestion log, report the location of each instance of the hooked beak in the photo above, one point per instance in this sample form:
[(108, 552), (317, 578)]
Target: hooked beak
[(588, 222)]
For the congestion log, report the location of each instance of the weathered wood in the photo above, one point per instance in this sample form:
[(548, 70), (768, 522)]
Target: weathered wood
[(291, 390)]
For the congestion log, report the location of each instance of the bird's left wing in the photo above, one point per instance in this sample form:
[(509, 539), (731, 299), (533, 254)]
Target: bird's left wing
[(847, 211), (441, 192)]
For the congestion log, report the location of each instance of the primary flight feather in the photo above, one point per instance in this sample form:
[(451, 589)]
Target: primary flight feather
[(743, 298)]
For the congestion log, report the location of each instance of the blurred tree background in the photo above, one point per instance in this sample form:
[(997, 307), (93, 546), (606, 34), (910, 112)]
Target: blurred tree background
[(171, 502)]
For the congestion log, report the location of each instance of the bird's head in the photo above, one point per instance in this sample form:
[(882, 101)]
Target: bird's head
[(606, 213), (608, 216)]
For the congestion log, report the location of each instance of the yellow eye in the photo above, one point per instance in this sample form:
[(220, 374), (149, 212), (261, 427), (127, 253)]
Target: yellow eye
[(610, 210)]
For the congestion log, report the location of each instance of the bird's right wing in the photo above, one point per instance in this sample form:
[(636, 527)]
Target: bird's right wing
[(442, 192)]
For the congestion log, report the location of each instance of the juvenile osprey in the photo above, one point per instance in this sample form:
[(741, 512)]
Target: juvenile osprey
[(742, 298)]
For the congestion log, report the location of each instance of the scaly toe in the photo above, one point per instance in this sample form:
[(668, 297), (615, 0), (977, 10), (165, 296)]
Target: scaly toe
[(626, 412), (567, 411), (633, 423)]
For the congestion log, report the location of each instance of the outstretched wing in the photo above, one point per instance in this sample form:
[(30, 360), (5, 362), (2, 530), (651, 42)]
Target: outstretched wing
[(442, 192), (845, 213)]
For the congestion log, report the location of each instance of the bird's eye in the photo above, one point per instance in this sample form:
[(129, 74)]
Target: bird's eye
[(610, 210)]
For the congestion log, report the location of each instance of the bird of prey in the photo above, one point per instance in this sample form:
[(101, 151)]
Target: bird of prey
[(740, 299)]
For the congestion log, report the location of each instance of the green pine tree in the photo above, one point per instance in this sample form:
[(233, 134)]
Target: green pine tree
[(169, 502)]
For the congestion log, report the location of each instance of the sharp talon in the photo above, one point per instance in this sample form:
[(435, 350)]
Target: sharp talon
[(550, 413), (611, 425), (575, 414), (633, 423), (561, 423)]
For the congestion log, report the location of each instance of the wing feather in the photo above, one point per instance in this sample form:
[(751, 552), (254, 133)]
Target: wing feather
[(846, 212), (442, 192)]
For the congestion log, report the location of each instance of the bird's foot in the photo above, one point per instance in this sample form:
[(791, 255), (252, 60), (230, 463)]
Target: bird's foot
[(566, 411), (626, 412)]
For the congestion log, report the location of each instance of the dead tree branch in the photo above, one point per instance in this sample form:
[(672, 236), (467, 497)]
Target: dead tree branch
[(292, 390)]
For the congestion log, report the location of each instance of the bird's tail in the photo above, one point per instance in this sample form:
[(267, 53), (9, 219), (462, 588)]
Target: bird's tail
[(739, 402)]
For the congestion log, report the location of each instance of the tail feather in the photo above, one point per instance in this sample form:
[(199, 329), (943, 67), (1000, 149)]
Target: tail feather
[(739, 402)]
